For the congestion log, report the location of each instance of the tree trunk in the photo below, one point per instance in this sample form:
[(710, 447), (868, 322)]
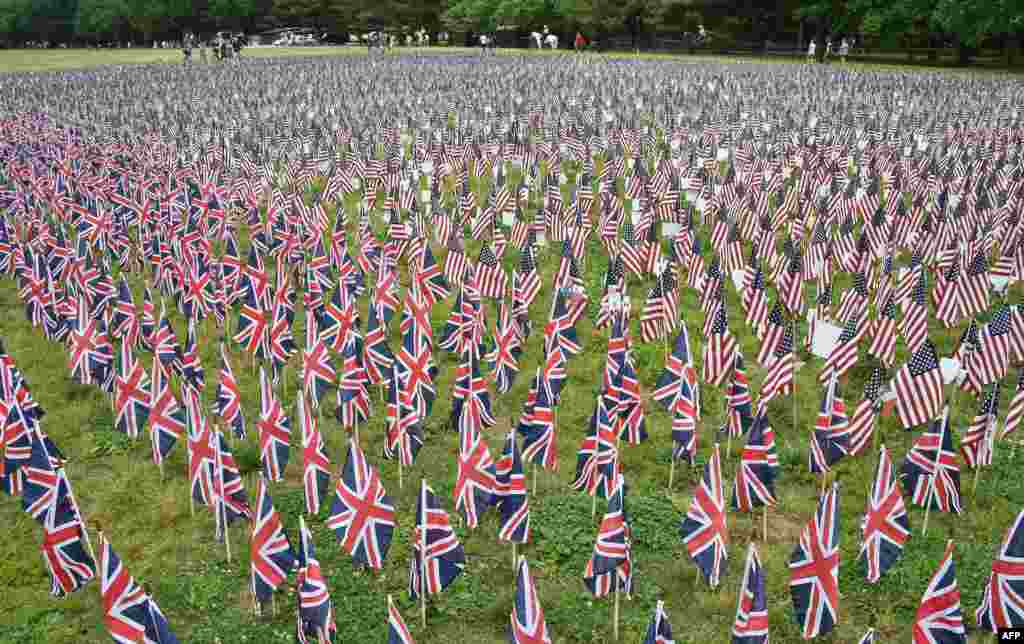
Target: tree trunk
[(964, 53)]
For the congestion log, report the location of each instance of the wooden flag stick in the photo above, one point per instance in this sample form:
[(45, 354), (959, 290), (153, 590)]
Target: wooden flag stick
[(935, 469), (593, 505), (671, 468), (423, 555), (793, 382), (534, 468), (764, 524), (515, 557), (615, 619)]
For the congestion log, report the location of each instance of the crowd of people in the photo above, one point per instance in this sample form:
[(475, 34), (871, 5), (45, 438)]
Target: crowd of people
[(220, 48)]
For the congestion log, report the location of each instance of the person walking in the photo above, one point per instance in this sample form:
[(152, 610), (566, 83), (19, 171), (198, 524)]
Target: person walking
[(580, 43), (202, 51), (186, 50), (844, 50), (811, 48)]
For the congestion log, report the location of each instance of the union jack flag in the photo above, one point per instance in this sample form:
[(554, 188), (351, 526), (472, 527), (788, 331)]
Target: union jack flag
[(759, 464), (191, 366), (929, 472), (201, 455), (228, 404), (538, 426), (471, 404), (528, 625), (398, 632), (885, 527), (1002, 601), (91, 354), (677, 387), (353, 398), (705, 528), (611, 562), (253, 332), (130, 614), (166, 417), (378, 358), (274, 431), (69, 564), (271, 555), (165, 345), (234, 502), (315, 614), (504, 359), (831, 439), (659, 631), (869, 637), (814, 569), (362, 515), (316, 472), (416, 355), (510, 492), (432, 283), (131, 394), (475, 487), (939, 619), (738, 399), (751, 625), (433, 537)]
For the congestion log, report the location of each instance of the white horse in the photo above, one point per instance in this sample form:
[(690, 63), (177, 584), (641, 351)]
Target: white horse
[(535, 35), (552, 41)]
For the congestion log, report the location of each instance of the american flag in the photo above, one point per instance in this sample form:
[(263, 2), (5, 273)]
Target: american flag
[(883, 332), (914, 325), (751, 624), (705, 527), (814, 569), (930, 474), (978, 442), (775, 327), (885, 528), (1013, 416), (779, 380), (865, 416), (491, 277), (918, 387), (844, 354), (362, 515), (719, 350), (990, 363), (939, 618), (527, 620), (1002, 601)]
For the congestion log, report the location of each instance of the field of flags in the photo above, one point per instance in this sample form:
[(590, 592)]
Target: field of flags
[(340, 326)]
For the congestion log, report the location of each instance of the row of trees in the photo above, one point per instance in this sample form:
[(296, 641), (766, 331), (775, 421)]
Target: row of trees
[(898, 23)]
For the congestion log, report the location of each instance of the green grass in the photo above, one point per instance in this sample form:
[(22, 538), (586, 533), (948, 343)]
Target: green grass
[(205, 598), (55, 60)]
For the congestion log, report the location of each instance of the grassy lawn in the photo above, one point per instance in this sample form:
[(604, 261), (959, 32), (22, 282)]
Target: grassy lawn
[(206, 599)]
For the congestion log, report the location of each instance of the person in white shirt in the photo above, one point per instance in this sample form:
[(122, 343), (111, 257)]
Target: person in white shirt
[(844, 50), (810, 51)]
